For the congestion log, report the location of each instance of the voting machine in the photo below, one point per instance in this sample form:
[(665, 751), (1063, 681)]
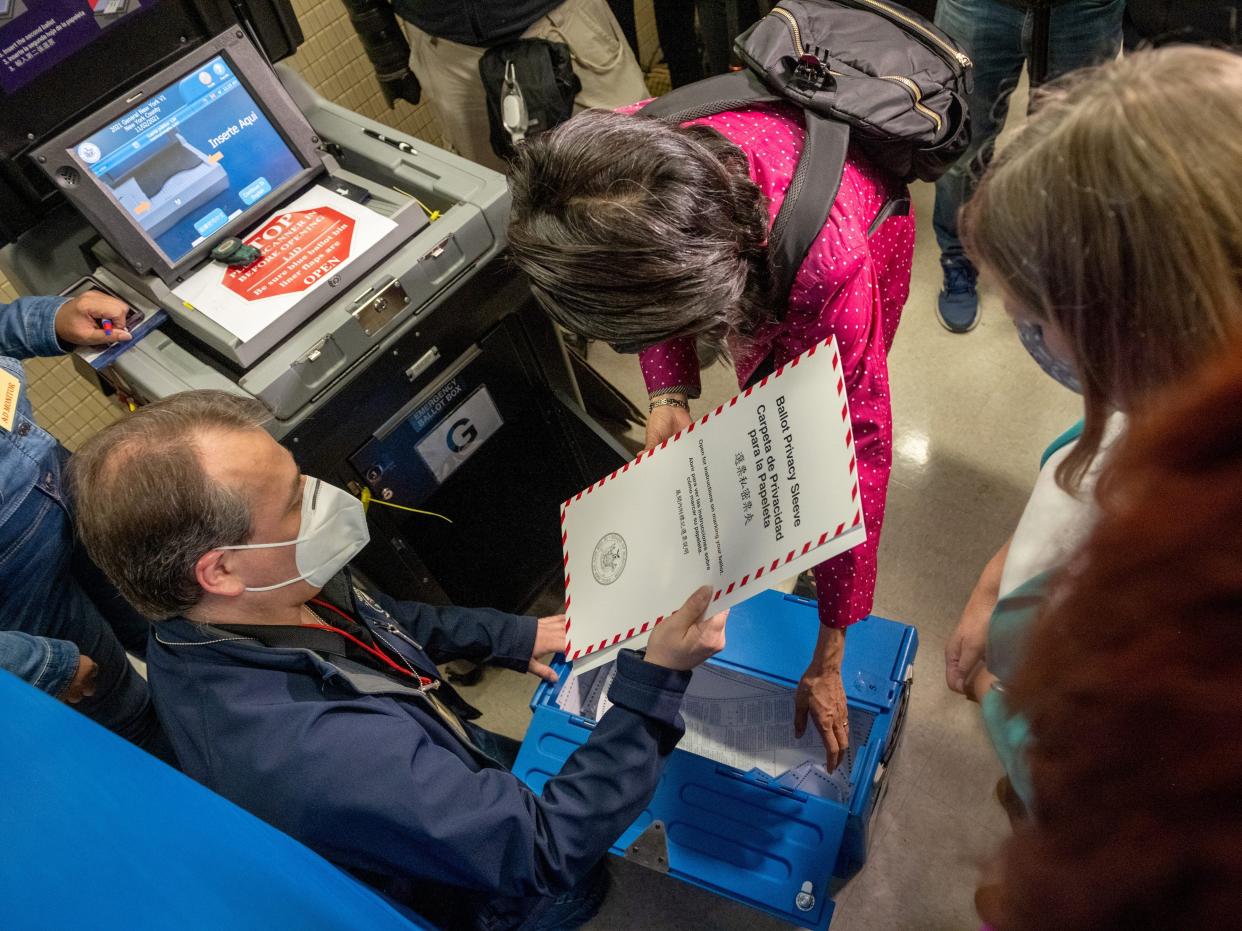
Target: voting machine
[(381, 325), (780, 842)]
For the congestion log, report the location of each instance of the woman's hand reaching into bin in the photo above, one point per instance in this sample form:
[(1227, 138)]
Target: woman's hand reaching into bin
[(687, 637), (821, 696)]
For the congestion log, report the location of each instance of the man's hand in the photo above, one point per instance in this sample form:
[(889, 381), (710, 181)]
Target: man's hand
[(665, 421), (821, 696), (687, 637), (549, 638), (79, 322), (83, 682)]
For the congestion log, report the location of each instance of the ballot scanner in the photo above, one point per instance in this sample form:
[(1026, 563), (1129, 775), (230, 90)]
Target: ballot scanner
[(397, 350), (782, 843)]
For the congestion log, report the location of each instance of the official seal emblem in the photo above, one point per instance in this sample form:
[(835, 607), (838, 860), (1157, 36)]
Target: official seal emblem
[(608, 560)]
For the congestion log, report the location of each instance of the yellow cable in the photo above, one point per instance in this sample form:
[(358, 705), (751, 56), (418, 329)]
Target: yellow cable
[(369, 499), (432, 215)]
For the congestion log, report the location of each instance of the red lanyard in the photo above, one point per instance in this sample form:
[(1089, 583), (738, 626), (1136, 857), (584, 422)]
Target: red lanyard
[(378, 654)]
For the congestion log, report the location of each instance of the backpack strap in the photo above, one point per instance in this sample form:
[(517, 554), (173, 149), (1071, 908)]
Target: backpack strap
[(718, 94), (813, 187), (808, 201)]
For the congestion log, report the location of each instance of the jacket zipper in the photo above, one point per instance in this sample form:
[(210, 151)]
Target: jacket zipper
[(432, 684), (960, 57), (394, 629)]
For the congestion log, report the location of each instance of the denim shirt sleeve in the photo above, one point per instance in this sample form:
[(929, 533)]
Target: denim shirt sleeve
[(45, 663), (28, 327)]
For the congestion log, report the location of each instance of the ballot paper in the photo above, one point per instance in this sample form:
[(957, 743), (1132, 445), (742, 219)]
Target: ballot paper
[(304, 246), (735, 719), (754, 492), (745, 723)]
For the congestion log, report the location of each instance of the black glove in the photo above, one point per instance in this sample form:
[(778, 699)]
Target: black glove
[(401, 87), (384, 42)]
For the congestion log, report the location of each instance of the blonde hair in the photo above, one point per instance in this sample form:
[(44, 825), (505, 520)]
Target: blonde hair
[(1116, 213)]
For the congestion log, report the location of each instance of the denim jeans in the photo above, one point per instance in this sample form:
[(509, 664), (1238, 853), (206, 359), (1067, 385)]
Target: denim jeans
[(998, 39), (49, 588)]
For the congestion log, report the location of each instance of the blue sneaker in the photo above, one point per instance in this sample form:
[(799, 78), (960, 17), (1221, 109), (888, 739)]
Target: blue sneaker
[(957, 307)]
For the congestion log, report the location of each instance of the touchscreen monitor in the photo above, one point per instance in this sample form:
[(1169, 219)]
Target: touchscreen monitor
[(189, 159), (205, 149)]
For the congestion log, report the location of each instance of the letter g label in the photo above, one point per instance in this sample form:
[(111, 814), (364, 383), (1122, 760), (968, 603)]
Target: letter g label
[(461, 434)]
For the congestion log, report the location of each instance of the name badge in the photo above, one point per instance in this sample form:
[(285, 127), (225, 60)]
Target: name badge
[(10, 392)]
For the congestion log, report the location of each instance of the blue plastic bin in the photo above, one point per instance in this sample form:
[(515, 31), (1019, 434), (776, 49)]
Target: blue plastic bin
[(740, 834)]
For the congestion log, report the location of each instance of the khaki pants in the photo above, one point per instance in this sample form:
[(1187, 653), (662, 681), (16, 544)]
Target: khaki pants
[(449, 72)]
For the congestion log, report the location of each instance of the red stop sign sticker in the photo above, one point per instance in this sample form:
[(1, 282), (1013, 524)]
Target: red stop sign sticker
[(299, 249)]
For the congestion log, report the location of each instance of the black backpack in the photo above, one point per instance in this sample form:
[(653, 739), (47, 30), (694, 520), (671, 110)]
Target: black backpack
[(865, 71), (530, 87)]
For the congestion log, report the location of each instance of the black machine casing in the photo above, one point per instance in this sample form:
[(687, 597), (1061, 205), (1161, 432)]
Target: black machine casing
[(504, 544)]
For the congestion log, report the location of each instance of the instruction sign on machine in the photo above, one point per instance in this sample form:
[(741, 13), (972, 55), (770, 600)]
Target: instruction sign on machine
[(301, 248)]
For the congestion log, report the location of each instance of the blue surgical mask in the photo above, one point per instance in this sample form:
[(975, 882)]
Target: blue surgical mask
[(334, 531), (1032, 336)]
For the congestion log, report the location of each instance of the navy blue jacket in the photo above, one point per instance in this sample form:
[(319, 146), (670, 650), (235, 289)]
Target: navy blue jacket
[(360, 767)]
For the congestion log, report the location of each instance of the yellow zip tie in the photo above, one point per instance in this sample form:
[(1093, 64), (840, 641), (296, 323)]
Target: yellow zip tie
[(432, 216), (368, 499)]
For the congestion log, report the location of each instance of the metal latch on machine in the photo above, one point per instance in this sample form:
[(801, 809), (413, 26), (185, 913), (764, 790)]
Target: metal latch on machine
[(650, 848), (379, 310)]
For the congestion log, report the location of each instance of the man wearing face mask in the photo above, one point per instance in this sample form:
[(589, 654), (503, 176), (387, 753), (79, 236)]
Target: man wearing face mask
[(292, 688)]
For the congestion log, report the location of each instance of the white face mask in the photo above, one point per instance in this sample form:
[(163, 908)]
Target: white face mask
[(334, 531)]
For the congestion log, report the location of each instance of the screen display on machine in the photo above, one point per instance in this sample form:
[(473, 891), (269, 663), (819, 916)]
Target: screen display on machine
[(190, 158)]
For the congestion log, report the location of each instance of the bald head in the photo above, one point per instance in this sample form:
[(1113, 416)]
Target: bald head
[(157, 489)]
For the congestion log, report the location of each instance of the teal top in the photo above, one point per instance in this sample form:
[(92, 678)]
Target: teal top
[(1060, 443), (1008, 630)]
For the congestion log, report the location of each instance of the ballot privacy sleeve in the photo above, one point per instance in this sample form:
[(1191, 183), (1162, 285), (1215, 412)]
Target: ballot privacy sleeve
[(753, 492)]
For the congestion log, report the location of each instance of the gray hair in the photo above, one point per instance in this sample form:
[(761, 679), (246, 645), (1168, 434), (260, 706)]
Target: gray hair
[(634, 231), (146, 509)]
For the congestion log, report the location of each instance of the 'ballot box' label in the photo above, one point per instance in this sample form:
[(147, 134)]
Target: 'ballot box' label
[(750, 494)]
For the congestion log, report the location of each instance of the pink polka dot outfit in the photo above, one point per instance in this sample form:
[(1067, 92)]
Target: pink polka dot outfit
[(849, 285)]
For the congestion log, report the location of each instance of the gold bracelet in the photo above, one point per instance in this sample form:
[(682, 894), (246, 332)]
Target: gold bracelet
[(668, 402)]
